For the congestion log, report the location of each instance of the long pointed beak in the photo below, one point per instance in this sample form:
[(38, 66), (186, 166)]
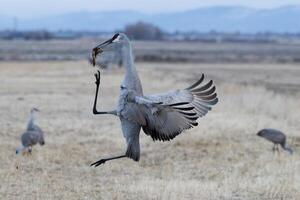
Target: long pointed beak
[(99, 49)]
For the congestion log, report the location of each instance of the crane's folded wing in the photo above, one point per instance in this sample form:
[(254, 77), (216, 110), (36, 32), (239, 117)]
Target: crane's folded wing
[(179, 110)]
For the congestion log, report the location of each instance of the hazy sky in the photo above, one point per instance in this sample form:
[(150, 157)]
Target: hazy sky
[(36, 8)]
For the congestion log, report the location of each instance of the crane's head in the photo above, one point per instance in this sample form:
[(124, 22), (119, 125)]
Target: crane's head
[(260, 133), (116, 42)]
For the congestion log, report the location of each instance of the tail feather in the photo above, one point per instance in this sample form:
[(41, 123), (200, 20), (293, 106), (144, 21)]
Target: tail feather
[(133, 148), (133, 152)]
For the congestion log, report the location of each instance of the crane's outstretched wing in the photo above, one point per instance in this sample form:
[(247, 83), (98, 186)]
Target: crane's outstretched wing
[(174, 111)]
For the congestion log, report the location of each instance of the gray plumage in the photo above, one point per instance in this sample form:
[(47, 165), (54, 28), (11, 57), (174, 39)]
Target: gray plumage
[(161, 116), (276, 137), (32, 135)]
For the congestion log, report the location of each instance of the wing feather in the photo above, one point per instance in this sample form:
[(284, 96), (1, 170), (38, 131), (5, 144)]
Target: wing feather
[(179, 110), (197, 83), (187, 106), (204, 87)]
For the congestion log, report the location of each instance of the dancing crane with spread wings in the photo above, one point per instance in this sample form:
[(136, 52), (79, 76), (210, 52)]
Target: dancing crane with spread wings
[(161, 116)]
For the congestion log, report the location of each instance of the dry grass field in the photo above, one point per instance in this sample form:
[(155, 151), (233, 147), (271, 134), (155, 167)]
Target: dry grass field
[(222, 158)]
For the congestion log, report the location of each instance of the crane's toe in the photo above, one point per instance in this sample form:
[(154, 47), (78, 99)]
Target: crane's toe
[(99, 162)]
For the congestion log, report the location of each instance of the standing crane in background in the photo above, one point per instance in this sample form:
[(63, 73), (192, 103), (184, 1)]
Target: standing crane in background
[(32, 135), (276, 137), (161, 116)]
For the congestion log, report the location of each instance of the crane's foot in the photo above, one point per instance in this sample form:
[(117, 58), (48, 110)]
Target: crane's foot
[(102, 161), (97, 76), (99, 162)]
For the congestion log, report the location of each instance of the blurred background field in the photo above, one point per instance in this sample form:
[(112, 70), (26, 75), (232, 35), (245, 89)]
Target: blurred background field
[(252, 54), (156, 51), (220, 159)]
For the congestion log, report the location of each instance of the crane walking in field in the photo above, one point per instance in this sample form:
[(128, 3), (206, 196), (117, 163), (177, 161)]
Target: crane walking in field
[(161, 116), (32, 135), (275, 136)]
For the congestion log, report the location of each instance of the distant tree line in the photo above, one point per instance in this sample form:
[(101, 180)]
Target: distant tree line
[(26, 35), (146, 31), (143, 31), (136, 31)]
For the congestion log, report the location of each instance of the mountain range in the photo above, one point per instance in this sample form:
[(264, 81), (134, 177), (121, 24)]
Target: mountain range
[(218, 18)]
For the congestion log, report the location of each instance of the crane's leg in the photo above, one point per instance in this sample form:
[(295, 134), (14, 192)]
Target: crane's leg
[(278, 148), (27, 151), (30, 150), (95, 112), (274, 148), (102, 161)]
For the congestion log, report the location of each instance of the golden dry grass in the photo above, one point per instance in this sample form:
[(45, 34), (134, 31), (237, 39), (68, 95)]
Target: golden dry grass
[(222, 158)]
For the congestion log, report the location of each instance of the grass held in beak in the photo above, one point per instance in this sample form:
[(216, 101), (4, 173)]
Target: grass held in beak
[(96, 51)]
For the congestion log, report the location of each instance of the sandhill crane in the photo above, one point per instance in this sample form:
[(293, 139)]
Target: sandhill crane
[(275, 136), (162, 116), (32, 135)]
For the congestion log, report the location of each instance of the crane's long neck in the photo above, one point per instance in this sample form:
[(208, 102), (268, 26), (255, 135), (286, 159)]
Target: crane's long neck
[(131, 79), (30, 121)]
